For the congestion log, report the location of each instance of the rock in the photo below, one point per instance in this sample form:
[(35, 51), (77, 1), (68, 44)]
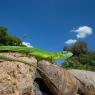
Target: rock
[(41, 88), (17, 78), (58, 80), (36, 89), (87, 81)]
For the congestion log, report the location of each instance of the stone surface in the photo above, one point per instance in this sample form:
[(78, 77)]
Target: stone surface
[(40, 87), (87, 81), (17, 78), (58, 80)]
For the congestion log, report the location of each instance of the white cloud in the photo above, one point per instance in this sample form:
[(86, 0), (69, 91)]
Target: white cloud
[(71, 41), (83, 31), (26, 44)]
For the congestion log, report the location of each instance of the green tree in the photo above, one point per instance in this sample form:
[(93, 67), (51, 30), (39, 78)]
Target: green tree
[(3, 31), (7, 39), (82, 59), (79, 47), (12, 40)]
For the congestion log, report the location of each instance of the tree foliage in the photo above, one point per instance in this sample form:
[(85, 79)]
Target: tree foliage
[(7, 39), (82, 59), (78, 48)]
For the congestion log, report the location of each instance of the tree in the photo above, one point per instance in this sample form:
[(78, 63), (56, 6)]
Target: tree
[(7, 39), (12, 40), (82, 59), (79, 47), (3, 31)]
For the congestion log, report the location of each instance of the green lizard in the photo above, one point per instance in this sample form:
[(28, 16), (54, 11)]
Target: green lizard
[(38, 53)]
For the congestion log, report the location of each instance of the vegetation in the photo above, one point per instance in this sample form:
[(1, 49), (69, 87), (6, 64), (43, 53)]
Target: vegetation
[(7, 39), (82, 58)]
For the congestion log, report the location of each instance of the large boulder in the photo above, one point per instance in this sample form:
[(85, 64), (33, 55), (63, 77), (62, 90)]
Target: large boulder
[(87, 81), (57, 79), (17, 78)]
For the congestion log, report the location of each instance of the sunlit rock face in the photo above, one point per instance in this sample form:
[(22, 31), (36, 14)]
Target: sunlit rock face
[(17, 78), (87, 81)]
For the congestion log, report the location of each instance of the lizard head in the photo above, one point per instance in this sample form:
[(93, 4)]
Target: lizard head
[(62, 55)]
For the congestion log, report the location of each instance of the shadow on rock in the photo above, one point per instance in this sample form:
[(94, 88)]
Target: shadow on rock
[(43, 89)]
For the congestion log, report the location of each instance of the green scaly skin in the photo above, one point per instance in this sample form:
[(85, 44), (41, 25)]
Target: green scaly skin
[(38, 53)]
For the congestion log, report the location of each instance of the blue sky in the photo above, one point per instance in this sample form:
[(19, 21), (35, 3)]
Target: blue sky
[(48, 23)]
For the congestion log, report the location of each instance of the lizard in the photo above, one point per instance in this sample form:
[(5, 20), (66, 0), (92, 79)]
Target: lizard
[(4, 58), (38, 53)]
